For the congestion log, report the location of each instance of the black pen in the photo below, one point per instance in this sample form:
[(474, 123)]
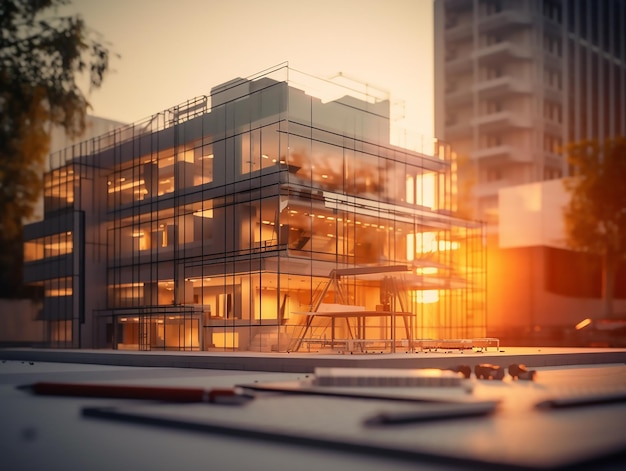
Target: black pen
[(433, 411), (579, 400), (160, 393)]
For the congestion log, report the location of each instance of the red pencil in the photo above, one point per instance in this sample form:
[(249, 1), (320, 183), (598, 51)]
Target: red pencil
[(160, 393)]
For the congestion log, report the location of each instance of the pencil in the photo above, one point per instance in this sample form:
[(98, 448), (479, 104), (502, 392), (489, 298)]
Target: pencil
[(433, 412), (579, 400), (160, 393)]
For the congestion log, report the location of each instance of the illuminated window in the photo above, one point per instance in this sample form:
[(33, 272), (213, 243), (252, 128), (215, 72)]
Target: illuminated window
[(226, 339), (425, 190), (58, 244), (426, 242), (410, 247), (33, 250), (126, 294), (59, 188), (58, 287), (410, 189), (447, 245), (49, 246), (427, 296), (61, 331), (203, 165)]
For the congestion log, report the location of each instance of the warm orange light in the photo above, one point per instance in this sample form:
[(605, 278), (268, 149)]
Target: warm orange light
[(425, 190), (428, 296), (410, 189), (205, 213), (448, 245), (410, 247), (426, 242), (52, 293), (126, 186), (226, 339), (582, 324)]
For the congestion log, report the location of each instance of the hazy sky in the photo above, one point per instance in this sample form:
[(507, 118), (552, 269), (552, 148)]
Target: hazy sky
[(174, 50)]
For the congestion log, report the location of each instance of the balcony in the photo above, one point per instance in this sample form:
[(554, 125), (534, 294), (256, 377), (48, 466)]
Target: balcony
[(459, 32), (502, 86), (503, 153), (459, 96), (459, 64), (551, 27), (553, 58), (504, 20), (458, 4), (501, 120), (457, 130), (553, 94), (502, 51)]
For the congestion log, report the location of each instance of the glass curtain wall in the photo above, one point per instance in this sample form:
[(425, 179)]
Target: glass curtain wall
[(56, 254), (354, 200), (223, 223), (194, 209)]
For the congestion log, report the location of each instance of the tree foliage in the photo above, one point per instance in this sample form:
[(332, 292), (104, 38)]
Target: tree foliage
[(42, 57), (595, 219)]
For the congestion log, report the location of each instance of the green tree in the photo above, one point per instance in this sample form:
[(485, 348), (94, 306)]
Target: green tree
[(595, 218), (42, 57)]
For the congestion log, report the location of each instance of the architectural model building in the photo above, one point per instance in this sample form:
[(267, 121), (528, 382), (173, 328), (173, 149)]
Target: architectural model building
[(235, 220)]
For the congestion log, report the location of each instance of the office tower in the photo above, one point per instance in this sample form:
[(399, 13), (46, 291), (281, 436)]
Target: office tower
[(253, 219), (515, 80)]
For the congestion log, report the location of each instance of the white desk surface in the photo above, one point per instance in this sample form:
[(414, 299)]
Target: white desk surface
[(50, 433)]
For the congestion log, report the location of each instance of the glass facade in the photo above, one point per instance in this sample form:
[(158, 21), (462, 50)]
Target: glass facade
[(272, 215)]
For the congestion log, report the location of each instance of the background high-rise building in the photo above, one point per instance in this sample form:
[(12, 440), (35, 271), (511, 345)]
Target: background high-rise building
[(515, 80)]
